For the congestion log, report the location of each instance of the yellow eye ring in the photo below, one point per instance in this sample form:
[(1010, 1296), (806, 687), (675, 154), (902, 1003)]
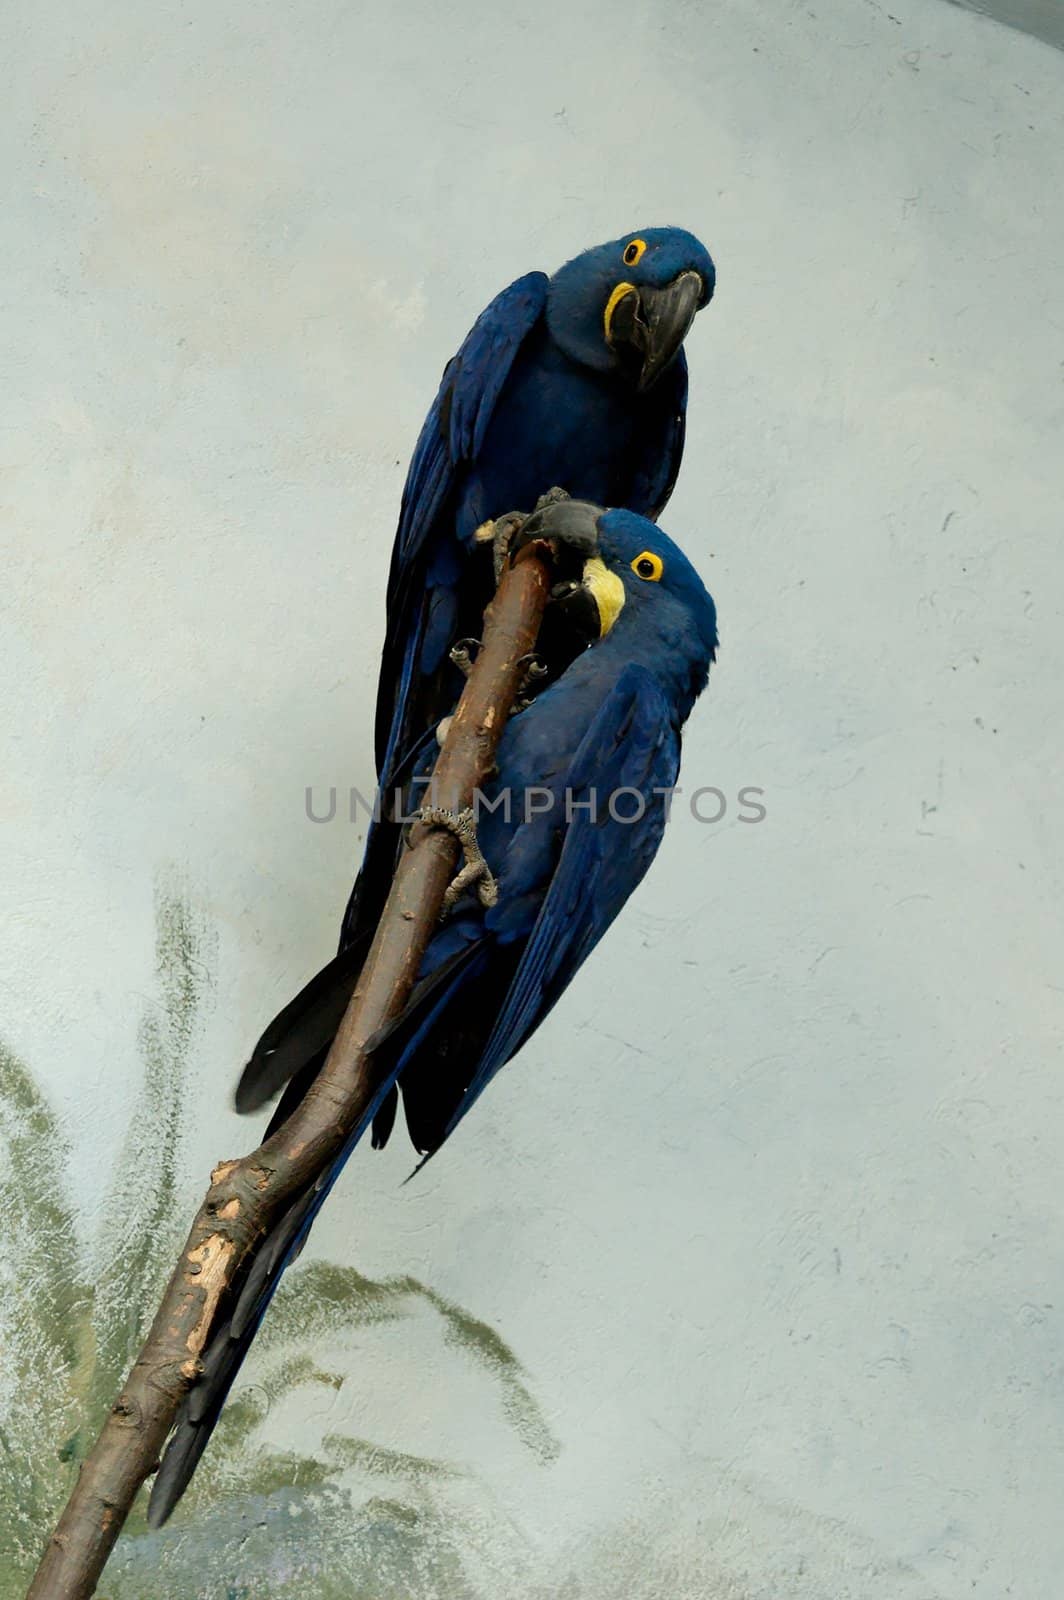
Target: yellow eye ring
[(633, 250), (649, 566)]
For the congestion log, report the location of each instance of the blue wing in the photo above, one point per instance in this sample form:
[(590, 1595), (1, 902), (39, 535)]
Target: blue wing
[(663, 439), (632, 745), (427, 557), (485, 983)]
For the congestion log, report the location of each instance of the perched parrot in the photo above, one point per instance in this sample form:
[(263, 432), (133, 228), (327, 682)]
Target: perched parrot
[(601, 744), (577, 381)]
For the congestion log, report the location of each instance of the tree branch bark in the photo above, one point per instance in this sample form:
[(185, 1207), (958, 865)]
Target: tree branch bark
[(246, 1196)]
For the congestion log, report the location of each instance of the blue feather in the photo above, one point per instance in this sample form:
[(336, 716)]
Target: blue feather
[(540, 395)]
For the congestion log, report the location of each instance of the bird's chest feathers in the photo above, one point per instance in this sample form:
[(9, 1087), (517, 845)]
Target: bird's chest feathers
[(556, 424)]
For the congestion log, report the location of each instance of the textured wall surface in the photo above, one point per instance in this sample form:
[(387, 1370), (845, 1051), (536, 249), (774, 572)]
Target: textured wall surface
[(744, 1282)]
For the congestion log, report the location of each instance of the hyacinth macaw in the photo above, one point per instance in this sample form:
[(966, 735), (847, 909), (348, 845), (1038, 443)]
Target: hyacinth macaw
[(606, 731), (578, 381)]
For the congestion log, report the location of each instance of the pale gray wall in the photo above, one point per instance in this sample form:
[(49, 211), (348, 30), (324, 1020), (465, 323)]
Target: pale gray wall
[(770, 1210)]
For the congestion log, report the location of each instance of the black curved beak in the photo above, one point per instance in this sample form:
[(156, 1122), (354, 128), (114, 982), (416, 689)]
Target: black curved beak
[(579, 611), (571, 529), (668, 314), (655, 322)]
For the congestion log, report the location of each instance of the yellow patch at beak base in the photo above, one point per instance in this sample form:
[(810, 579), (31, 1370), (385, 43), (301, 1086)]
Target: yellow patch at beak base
[(612, 303), (607, 591)]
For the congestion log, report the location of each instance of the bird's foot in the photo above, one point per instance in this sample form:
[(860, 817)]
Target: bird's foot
[(553, 497), (535, 671), (463, 825), (461, 653), (500, 533)]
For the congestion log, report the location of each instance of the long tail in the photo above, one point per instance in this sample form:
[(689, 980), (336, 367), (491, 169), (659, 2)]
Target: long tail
[(303, 1030), (232, 1339), (252, 1293)]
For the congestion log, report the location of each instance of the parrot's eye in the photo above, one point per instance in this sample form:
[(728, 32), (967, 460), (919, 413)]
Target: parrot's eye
[(633, 251), (648, 566)]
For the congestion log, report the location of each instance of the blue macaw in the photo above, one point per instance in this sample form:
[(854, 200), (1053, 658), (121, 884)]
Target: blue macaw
[(577, 381), (602, 743)]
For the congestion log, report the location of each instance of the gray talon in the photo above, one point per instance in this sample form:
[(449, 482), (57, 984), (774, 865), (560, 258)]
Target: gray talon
[(553, 497), (463, 825), (503, 530), (461, 653), (535, 669)]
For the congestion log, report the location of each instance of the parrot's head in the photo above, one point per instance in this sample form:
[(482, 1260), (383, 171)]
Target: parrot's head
[(616, 570), (626, 306), (663, 594)]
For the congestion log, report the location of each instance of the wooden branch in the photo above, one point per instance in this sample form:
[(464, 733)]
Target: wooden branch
[(248, 1195)]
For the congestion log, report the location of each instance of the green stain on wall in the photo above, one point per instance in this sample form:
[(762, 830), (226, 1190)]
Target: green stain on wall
[(44, 1312), (489, 1350), (133, 1262), (269, 1523)]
